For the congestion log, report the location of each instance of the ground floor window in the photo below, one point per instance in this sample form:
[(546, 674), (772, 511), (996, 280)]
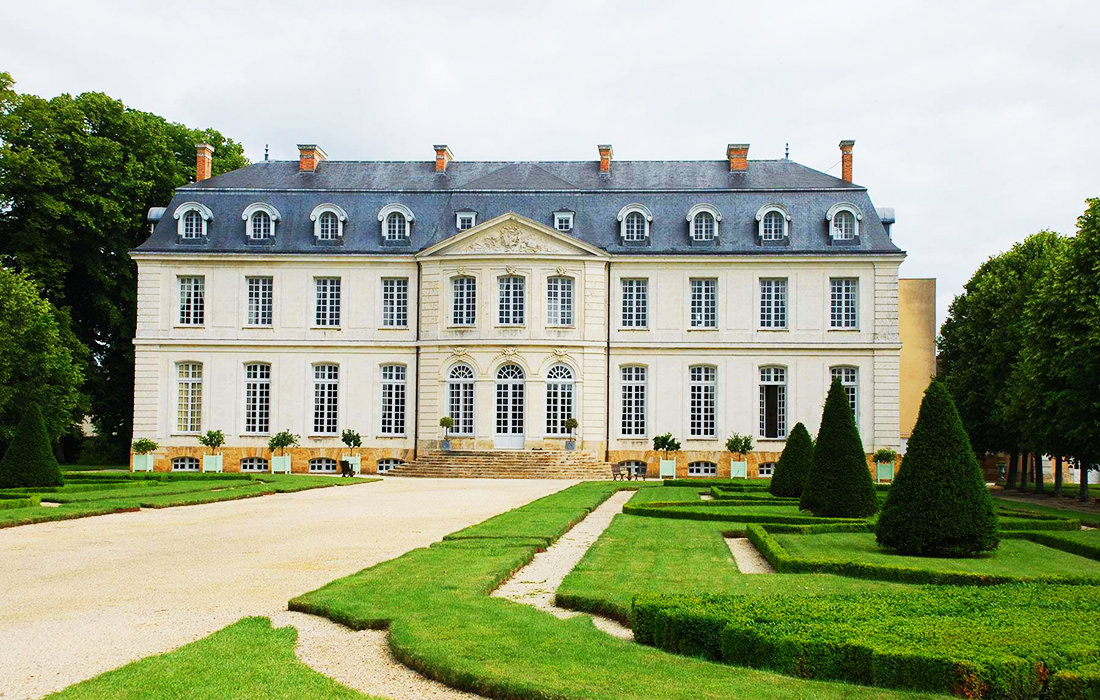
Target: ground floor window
[(253, 464), (766, 470), (384, 465), (773, 402), (322, 465), (185, 464), (702, 469)]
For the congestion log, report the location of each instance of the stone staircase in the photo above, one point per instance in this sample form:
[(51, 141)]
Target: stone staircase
[(505, 464)]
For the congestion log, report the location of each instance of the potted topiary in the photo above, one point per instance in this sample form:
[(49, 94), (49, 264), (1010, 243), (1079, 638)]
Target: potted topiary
[(280, 461), (884, 464), (446, 422), (739, 445), (571, 425), (666, 445), (353, 441), (213, 439), (143, 460)]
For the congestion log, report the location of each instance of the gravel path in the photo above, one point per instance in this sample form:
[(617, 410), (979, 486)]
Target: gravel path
[(81, 597), (749, 559), (535, 583)]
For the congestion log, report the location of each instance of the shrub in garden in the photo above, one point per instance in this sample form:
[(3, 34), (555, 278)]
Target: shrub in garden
[(213, 439), (280, 441), (143, 446), (839, 484), (938, 504), (794, 464), (351, 439), (29, 460)]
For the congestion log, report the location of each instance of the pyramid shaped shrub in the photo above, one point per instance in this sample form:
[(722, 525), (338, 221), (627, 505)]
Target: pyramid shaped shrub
[(939, 504), (839, 483), (29, 460), (794, 464)]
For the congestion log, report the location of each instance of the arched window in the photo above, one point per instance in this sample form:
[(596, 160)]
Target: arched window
[(384, 465), (773, 226), (396, 220), (635, 227), (703, 402), (849, 379), (460, 399), (634, 220), (185, 464), (510, 371), (702, 229), (773, 403), (330, 227), (191, 220), (559, 399), (261, 226), (260, 221), (322, 465), (702, 469), (633, 401), (253, 464), (396, 226), (192, 224), (328, 221), (189, 397), (393, 399), (844, 226)]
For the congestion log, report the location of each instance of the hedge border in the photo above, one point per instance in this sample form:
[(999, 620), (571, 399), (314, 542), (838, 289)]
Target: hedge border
[(667, 509), (1081, 549), (13, 501)]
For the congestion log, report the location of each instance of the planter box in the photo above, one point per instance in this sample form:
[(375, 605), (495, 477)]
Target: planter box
[(884, 471), (739, 470), (280, 464), (668, 468), (212, 463), (354, 461), (143, 463), (570, 444), (445, 445)]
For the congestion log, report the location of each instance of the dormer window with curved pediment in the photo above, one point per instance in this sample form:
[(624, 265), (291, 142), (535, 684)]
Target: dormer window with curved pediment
[(634, 221), (844, 219), (396, 220), (703, 222), (328, 222), (191, 221), (773, 224), (260, 219)]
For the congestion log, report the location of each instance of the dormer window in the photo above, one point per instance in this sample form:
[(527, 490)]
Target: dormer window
[(328, 222), (192, 224), (634, 220), (563, 220), (260, 220), (773, 222), (261, 226), (702, 229), (844, 221), (397, 227), (191, 219), (397, 220), (703, 222), (466, 220), (635, 227)]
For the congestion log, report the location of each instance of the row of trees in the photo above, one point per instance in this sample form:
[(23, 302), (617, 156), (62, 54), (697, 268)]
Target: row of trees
[(1020, 353), (77, 176)]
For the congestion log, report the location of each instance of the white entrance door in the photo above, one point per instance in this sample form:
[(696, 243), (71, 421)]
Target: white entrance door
[(510, 406)]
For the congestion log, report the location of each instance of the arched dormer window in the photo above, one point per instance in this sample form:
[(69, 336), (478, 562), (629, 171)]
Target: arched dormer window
[(397, 220), (773, 223), (260, 219), (634, 221), (844, 219), (191, 220), (704, 220), (328, 222)]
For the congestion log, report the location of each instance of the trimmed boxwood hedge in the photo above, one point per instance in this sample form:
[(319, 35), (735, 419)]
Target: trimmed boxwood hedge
[(29, 459), (1066, 543), (10, 501), (723, 511), (724, 484), (1020, 641), (748, 497)]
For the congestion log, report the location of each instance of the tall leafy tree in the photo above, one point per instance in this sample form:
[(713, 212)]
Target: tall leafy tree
[(77, 176)]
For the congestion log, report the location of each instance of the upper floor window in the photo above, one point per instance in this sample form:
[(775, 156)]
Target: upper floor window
[(635, 303), (261, 226), (393, 399), (704, 220), (511, 311), (327, 311), (192, 300), (633, 401), (466, 220), (329, 227), (326, 398), (260, 293), (773, 303), (559, 301), (396, 227), (396, 220), (773, 220), (773, 402), (395, 302), (192, 224), (849, 379), (189, 397), (328, 221), (704, 303), (844, 302), (463, 301), (191, 220), (844, 221), (634, 220), (563, 220), (260, 221), (703, 403)]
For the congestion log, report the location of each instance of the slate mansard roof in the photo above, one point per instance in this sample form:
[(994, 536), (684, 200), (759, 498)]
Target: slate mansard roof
[(531, 189)]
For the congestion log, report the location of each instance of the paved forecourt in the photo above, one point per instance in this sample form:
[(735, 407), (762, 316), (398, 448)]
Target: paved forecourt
[(84, 596)]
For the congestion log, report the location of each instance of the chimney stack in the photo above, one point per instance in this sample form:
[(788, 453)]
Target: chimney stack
[(443, 156), (310, 156), (738, 156), (606, 154), (204, 161), (846, 160)]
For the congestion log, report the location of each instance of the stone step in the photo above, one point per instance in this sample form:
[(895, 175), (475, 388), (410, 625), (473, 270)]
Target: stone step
[(487, 464)]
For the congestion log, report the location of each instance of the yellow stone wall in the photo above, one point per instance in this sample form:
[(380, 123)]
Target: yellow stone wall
[(917, 327)]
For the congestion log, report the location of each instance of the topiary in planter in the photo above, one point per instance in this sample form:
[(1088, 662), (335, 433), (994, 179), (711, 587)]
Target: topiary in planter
[(29, 460), (794, 464), (939, 504), (839, 484)]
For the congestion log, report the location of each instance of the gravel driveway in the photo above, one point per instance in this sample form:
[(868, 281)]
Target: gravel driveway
[(84, 596)]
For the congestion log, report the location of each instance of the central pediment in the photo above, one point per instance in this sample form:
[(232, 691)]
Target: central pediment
[(512, 234)]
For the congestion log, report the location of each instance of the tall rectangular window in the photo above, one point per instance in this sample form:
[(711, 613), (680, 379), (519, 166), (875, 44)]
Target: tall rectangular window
[(192, 302), (844, 303), (773, 402), (393, 399), (511, 301), (849, 379), (559, 301), (326, 397), (704, 389), (189, 397), (773, 303), (635, 303), (460, 391), (395, 302), (257, 398), (259, 301), (634, 401), (463, 301), (704, 303), (328, 301)]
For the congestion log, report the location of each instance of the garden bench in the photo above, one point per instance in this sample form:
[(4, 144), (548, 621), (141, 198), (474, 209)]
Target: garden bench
[(617, 473)]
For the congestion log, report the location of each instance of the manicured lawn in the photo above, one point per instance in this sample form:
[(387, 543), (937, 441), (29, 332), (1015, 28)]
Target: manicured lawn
[(668, 493), (1088, 515), (94, 467), (245, 661), (1015, 557)]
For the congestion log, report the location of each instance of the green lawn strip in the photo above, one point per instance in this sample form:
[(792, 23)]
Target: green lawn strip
[(244, 661), (668, 493), (43, 514), (1088, 515), (433, 601), (857, 555), (994, 642), (1082, 543), (94, 467), (637, 555), (731, 512), (79, 487), (11, 501), (720, 494), (725, 484)]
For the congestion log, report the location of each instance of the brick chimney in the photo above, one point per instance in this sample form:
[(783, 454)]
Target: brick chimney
[(606, 154), (846, 160), (443, 156), (310, 156), (204, 161), (738, 156)]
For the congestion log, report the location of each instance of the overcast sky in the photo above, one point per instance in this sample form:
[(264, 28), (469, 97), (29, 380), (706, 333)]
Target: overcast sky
[(977, 121)]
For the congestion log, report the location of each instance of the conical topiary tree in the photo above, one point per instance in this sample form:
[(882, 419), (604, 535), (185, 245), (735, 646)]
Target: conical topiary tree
[(794, 464), (938, 504), (29, 460), (839, 483)]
